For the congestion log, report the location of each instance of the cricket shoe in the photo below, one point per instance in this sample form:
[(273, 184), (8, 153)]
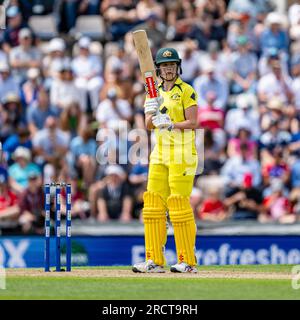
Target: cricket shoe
[(183, 268), (147, 267)]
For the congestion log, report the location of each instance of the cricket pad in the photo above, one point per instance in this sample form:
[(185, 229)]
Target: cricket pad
[(183, 221), (155, 221)]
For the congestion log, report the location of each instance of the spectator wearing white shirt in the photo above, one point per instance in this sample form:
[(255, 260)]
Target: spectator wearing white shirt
[(112, 109), (245, 114), (275, 84), (87, 70), (63, 90), (237, 167), (25, 55), (54, 59), (209, 82), (7, 83)]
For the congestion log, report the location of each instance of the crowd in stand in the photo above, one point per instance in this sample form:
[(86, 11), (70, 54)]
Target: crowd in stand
[(59, 97)]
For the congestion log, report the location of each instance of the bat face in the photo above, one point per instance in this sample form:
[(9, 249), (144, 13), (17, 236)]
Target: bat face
[(146, 63)]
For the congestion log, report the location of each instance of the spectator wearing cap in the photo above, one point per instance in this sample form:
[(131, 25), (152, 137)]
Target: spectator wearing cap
[(39, 111), (19, 171), (115, 201), (113, 109), (9, 209), (19, 139), (244, 65), (29, 89), (8, 83), (87, 70), (244, 201), (208, 82), (243, 137), (236, 167), (14, 25), (274, 34), (11, 115), (25, 55), (56, 56), (276, 206), (63, 91), (270, 56), (246, 114), (275, 84), (32, 215)]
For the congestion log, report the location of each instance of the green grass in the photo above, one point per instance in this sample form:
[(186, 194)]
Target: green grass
[(143, 287)]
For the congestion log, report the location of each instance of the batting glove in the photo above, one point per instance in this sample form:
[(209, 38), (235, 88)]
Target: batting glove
[(152, 105), (162, 121)]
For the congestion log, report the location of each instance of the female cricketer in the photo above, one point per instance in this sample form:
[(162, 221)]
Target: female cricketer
[(173, 164)]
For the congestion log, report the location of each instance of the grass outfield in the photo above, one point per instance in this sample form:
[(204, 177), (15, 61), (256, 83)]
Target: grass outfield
[(212, 282)]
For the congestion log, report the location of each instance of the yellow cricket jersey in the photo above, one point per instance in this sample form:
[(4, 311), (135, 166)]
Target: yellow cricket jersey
[(176, 144)]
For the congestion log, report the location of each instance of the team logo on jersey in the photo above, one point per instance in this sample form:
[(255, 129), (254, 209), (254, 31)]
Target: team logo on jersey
[(175, 96), (167, 53)]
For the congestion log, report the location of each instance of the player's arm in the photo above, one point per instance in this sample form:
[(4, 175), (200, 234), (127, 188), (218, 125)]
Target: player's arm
[(191, 119), (148, 122)]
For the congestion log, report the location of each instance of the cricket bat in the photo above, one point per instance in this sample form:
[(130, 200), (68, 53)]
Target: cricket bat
[(146, 63)]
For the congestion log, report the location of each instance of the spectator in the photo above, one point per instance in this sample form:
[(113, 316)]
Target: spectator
[(83, 150), (274, 35), (112, 109), (121, 17), (244, 201), (272, 138), (89, 7), (209, 82), (272, 55), (244, 68), (55, 59), (32, 206), (63, 90), (115, 201), (20, 171), (10, 115), (236, 167), (212, 208), (275, 84), (146, 8), (14, 25), (87, 70), (9, 209), (39, 111), (20, 139), (138, 178), (29, 89), (276, 206), (279, 169), (245, 114), (189, 64), (243, 137), (8, 84), (24, 56), (50, 144)]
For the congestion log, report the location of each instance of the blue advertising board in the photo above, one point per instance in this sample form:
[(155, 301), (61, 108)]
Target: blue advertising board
[(28, 251)]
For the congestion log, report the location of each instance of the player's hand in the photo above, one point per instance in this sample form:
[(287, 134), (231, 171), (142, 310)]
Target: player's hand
[(162, 121), (152, 105)]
